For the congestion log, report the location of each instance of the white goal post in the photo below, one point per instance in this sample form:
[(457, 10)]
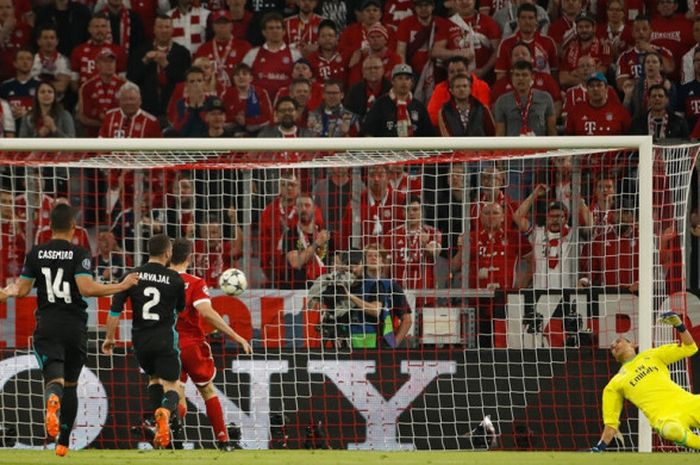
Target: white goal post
[(129, 154)]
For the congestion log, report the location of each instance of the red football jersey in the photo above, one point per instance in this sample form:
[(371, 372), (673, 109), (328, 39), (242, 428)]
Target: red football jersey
[(598, 49), (225, 56), (82, 60), (79, 238), (377, 217), (674, 33), (494, 256), (412, 266), (354, 37), (189, 322), (19, 37), (142, 125), (272, 70), (98, 97), (298, 32), (328, 68), (629, 64), (396, 11), (577, 94), (542, 48), (480, 30), (416, 35), (256, 106), (612, 119), (12, 250), (612, 260), (212, 259), (562, 31)]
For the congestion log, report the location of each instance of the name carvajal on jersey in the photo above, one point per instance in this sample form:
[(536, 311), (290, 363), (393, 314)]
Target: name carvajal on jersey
[(55, 254), (154, 278)]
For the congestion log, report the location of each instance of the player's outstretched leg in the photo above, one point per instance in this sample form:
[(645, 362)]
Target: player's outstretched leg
[(675, 431), (52, 400), (216, 416)]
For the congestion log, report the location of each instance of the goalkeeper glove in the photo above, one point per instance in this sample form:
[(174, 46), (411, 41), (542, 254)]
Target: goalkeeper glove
[(673, 319), (600, 447)]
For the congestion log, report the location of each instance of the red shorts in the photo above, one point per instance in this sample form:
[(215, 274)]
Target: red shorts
[(197, 363)]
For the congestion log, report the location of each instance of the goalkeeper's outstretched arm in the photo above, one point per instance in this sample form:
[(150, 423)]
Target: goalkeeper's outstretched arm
[(674, 319)]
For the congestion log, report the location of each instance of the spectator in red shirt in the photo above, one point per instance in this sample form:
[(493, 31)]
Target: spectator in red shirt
[(242, 20), (224, 50), (307, 246), (611, 260), (629, 64), (14, 35), (598, 115), (302, 29), (19, 91), (279, 216), (616, 30), (378, 40), (673, 31), (213, 253), (272, 62), (600, 214), (542, 48), (416, 37), (84, 55), (563, 30), (414, 246), (584, 43), (541, 81), (577, 94), (302, 70), (248, 108), (471, 35), (98, 94), (381, 209), (326, 61), (186, 115), (636, 99), (12, 238), (80, 237), (354, 37), (129, 120), (456, 66), (396, 11), (687, 62)]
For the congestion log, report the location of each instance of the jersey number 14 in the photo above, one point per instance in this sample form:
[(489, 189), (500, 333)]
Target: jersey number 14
[(56, 288)]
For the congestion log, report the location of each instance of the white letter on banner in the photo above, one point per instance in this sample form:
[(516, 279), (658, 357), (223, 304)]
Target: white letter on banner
[(255, 426), (92, 401), (351, 379)]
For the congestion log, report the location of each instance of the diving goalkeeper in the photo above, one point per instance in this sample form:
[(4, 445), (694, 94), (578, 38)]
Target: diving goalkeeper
[(645, 381)]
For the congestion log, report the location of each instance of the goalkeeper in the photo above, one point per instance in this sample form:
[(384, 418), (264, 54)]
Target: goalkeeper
[(645, 381)]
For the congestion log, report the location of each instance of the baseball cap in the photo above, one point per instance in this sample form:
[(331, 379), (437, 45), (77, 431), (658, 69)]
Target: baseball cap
[(585, 16), (378, 29), (367, 3), (597, 77), (106, 52), (556, 205), (221, 15), (401, 68), (214, 103)]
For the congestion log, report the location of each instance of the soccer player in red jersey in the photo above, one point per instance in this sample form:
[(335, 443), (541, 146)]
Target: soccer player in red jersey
[(195, 353)]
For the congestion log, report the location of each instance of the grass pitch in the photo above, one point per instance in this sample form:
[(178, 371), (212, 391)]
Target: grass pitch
[(276, 457)]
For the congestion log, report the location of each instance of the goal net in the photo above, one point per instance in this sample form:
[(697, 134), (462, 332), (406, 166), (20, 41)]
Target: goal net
[(402, 294)]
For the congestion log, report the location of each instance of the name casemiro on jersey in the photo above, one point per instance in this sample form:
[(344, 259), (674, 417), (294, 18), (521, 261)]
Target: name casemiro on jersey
[(56, 254)]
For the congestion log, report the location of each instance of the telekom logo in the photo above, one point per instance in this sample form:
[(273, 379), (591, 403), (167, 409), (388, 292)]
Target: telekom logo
[(589, 127)]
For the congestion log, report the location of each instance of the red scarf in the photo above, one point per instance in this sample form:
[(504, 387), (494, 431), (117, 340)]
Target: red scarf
[(404, 126), (553, 247), (654, 127), (162, 75), (220, 62), (372, 94), (524, 111), (124, 28)]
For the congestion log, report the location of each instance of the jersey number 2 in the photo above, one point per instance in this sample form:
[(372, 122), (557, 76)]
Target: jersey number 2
[(154, 294), (56, 287)]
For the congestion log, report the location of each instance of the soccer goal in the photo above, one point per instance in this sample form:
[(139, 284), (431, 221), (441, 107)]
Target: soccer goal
[(427, 293)]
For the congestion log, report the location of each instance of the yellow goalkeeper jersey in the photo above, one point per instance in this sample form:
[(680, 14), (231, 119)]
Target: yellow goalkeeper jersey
[(646, 382)]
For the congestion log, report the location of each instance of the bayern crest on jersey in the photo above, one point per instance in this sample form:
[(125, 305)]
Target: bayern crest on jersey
[(608, 117)]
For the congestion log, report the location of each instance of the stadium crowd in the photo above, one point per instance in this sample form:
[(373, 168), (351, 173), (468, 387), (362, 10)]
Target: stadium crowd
[(399, 68)]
